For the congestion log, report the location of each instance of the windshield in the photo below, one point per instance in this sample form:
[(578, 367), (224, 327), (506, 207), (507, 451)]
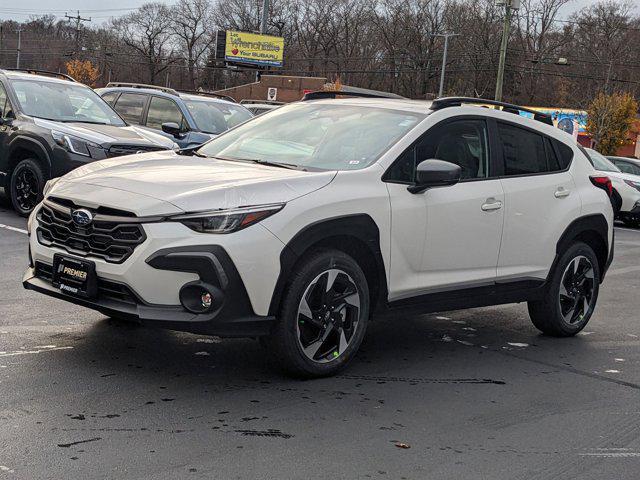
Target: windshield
[(323, 136), (64, 102), (600, 162), (216, 117)]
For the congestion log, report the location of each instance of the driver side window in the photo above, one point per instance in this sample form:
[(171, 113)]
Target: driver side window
[(5, 105), (462, 142)]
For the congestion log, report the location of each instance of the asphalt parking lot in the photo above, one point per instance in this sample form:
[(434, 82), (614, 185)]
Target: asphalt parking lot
[(477, 394)]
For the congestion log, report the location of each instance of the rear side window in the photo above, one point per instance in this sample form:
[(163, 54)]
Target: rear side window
[(523, 151), (130, 107), (565, 154), (526, 152)]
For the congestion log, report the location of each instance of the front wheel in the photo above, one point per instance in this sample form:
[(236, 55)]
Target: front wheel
[(323, 316), (25, 186), (570, 298)]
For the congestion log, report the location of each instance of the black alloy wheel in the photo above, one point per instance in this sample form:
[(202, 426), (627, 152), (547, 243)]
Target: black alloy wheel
[(27, 182)]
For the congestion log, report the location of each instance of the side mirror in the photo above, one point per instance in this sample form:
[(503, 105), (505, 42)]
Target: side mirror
[(172, 128), (435, 173)]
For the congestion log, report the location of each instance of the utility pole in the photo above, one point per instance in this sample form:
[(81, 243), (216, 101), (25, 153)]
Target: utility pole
[(19, 32), (263, 26), (444, 57), (78, 20), (508, 6)]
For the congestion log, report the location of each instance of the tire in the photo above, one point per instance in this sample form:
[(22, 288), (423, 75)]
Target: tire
[(335, 325), (25, 186), (578, 274)]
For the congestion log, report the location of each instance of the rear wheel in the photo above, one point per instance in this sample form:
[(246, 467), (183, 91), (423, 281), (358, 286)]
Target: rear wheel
[(25, 186), (570, 298), (323, 317)]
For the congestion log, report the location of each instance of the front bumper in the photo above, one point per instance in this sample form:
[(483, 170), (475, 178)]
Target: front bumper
[(231, 316)]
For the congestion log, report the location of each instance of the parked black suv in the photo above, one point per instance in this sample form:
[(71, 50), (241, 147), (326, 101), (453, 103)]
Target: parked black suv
[(51, 124)]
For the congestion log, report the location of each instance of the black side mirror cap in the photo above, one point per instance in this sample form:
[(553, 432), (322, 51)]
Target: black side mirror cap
[(172, 128), (435, 173)]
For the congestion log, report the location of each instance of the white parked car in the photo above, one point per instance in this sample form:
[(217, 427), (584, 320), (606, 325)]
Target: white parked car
[(626, 188), (298, 225)]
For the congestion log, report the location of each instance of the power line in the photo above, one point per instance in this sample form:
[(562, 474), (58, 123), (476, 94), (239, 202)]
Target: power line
[(78, 19)]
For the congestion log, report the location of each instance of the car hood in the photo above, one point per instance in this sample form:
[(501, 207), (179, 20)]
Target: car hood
[(108, 134), (188, 183)]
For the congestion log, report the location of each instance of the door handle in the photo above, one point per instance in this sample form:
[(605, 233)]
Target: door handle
[(562, 192), (491, 204)]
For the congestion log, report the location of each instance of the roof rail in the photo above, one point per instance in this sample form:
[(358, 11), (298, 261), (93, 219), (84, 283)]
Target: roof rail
[(44, 73), (248, 101), (143, 85), (208, 94), (324, 94), (445, 102)]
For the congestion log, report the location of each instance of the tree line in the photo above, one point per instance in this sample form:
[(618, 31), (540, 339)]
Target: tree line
[(388, 45)]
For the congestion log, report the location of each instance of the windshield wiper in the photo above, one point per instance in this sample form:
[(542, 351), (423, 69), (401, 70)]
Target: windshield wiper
[(84, 121), (288, 166)]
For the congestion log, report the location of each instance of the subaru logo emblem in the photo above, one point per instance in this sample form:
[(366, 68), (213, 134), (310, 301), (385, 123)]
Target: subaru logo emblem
[(82, 217)]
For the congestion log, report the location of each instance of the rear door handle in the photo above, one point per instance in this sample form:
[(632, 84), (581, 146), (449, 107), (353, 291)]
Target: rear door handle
[(491, 204), (562, 192)]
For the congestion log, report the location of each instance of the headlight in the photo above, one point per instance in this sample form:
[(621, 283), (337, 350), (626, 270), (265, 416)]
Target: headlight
[(49, 185), (227, 221), (633, 184), (30, 219), (73, 144)]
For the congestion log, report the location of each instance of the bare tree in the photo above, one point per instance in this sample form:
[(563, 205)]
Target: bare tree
[(148, 32), (190, 20)]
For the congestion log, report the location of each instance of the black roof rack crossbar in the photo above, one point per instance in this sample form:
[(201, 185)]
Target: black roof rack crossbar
[(208, 94), (45, 73), (324, 94), (444, 102), (143, 85), (248, 101)]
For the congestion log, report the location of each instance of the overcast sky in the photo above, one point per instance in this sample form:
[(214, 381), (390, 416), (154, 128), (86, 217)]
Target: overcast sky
[(101, 10)]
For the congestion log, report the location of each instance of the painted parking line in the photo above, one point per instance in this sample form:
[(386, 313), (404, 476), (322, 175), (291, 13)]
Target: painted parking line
[(13, 229)]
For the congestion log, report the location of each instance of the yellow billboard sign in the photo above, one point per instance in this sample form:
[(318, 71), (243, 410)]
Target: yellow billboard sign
[(254, 48)]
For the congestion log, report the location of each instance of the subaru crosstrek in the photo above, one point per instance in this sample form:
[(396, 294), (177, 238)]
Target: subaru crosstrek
[(299, 224), (49, 125)]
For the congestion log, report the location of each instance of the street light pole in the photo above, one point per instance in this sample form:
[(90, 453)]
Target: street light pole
[(18, 49), (508, 5), (263, 26), (444, 57)]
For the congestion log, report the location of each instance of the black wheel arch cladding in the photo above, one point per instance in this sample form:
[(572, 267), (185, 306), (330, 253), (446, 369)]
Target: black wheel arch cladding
[(356, 235), (592, 230)]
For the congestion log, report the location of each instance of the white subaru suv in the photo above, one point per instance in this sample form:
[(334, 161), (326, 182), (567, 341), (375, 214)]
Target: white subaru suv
[(299, 224)]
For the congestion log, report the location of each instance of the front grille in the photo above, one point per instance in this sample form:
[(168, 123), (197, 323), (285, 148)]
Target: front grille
[(120, 150), (107, 290), (109, 240)]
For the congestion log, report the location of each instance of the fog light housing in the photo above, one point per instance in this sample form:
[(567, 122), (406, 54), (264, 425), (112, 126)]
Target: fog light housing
[(200, 297), (205, 299)]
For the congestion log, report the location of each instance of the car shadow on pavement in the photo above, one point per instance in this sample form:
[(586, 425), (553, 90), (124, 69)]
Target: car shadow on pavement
[(440, 346)]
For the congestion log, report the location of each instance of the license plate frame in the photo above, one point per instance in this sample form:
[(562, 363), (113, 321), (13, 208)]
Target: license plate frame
[(75, 276)]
